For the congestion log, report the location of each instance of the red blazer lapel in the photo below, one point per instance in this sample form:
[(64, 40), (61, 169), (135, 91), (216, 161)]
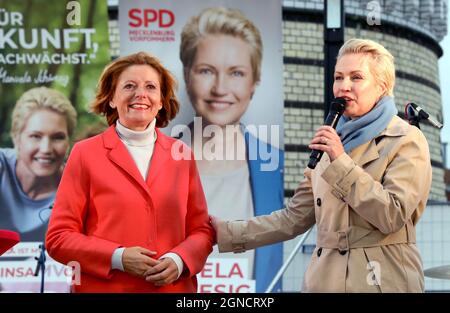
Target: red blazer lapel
[(161, 154), (119, 155)]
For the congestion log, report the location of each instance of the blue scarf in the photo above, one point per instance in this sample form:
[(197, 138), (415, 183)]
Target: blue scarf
[(355, 132)]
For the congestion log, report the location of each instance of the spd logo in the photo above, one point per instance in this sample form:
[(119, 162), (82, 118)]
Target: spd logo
[(145, 17)]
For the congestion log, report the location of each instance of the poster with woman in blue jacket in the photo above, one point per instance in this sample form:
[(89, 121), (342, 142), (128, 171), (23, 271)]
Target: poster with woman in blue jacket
[(242, 174)]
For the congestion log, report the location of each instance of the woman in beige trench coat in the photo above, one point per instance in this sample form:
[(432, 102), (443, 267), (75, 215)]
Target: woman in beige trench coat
[(366, 194)]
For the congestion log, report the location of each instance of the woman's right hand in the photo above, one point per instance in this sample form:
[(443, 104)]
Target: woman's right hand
[(137, 260)]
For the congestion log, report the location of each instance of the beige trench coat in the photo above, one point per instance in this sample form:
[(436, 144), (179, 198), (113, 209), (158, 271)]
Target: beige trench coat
[(365, 204)]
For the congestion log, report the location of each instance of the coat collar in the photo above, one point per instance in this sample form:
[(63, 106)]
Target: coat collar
[(397, 127), (368, 151), (119, 155)]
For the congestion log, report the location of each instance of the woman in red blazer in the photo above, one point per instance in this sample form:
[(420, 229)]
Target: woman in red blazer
[(128, 210)]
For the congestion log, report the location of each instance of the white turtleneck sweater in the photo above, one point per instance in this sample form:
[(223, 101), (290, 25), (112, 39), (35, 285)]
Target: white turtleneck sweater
[(140, 145)]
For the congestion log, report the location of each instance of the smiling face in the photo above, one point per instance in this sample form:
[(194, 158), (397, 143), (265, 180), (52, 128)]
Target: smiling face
[(354, 81), (220, 82), (137, 97), (42, 144)]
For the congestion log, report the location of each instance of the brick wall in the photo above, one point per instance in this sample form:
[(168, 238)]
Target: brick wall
[(426, 16)]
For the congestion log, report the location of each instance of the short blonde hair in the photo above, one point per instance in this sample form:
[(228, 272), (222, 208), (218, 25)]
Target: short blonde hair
[(382, 66), (110, 77), (42, 98), (225, 21)]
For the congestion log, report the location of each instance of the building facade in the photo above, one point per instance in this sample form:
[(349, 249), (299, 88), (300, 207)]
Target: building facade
[(410, 30)]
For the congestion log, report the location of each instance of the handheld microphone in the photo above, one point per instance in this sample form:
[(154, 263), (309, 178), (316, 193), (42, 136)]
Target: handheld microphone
[(337, 107), (425, 116)]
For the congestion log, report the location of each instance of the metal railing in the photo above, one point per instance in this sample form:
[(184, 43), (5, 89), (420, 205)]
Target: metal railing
[(288, 261)]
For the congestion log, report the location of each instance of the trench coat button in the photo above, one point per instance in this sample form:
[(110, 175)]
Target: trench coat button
[(319, 252), (319, 202), (343, 252)]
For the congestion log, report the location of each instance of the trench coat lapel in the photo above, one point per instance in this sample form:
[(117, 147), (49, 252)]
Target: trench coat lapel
[(119, 155), (368, 151), (365, 153)]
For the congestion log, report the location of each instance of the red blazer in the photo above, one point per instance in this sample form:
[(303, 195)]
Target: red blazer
[(103, 203)]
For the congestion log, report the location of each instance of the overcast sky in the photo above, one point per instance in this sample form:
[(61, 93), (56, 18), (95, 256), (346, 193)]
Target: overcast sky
[(444, 72)]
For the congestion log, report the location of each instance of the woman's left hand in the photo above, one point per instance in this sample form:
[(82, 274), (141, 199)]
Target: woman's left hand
[(327, 140), (163, 274)]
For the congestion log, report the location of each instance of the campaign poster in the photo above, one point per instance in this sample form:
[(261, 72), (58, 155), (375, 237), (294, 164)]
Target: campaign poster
[(227, 59)]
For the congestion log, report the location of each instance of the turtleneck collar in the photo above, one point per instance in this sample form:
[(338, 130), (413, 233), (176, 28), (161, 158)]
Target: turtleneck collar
[(137, 138)]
